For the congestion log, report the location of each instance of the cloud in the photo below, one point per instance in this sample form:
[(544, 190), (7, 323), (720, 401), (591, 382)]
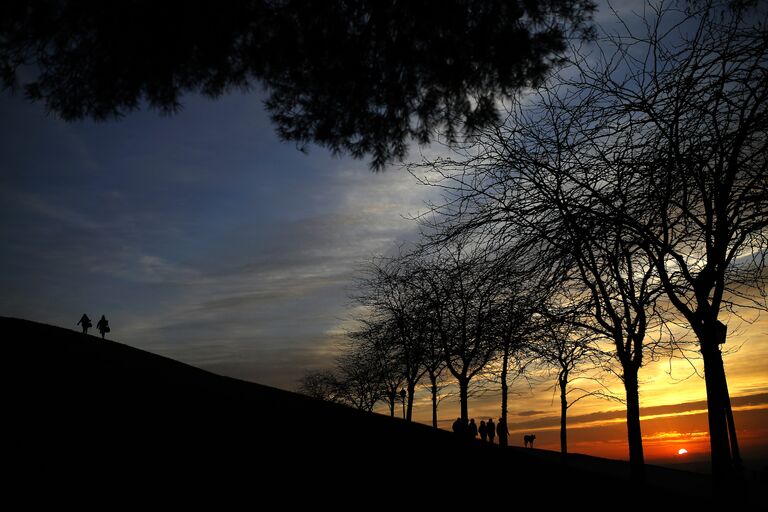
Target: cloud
[(530, 413), (144, 268), (619, 415), (47, 208), (674, 435), (288, 295)]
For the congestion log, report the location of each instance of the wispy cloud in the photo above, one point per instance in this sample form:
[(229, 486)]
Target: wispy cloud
[(46, 209), (530, 413), (144, 268), (619, 415)]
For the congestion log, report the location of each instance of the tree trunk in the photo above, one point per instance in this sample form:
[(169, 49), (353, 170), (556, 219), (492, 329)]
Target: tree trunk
[(714, 378), (503, 441), (563, 383), (411, 392), (433, 381), (463, 399), (634, 434), (735, 453), (392, 406)]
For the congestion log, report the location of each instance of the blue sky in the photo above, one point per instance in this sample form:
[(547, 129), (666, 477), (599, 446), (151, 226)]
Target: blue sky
[(201, 236)]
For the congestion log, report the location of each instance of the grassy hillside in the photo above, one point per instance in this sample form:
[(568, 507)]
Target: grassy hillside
[(80, 409)]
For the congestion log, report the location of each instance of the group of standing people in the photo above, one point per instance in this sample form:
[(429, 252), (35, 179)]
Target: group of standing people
[(102, 325), (487, 431)]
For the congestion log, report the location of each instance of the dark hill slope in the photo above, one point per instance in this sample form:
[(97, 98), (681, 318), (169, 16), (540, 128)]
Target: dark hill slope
[(80, 409)]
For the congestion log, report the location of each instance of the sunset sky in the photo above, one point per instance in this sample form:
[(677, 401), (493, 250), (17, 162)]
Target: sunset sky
[(673, 408), (203, 238)]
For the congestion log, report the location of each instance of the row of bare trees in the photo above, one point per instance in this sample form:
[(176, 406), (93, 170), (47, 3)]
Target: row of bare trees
[(451, 312), (642, 167), (621, 206)]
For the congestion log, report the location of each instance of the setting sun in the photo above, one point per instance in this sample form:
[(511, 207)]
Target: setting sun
[(682, 451)]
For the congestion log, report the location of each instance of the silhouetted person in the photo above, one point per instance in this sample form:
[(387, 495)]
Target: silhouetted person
[(85, 322), (502, 431), (529, 439), (472, 429), (103, 326), (457, 427), (491, 428), (483, 431)]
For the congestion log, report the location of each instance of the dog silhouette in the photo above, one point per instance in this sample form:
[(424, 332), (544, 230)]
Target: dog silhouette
[(529, 439)]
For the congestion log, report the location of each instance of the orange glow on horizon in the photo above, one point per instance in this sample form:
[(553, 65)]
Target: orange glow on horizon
[(672, 400)]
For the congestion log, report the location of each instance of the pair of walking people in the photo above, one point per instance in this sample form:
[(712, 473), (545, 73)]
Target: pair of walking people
[(102, 325)]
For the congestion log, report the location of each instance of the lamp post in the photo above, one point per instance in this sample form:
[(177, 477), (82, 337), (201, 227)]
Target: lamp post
[(402, 397)]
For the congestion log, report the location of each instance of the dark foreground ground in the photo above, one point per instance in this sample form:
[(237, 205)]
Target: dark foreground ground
[(85, 418)]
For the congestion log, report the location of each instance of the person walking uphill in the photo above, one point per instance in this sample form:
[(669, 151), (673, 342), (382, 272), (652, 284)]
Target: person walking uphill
[(85, 322), (491, 428), (103, 326)]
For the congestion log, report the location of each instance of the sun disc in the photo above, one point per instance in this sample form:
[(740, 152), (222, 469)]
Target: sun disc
[(682, 451)]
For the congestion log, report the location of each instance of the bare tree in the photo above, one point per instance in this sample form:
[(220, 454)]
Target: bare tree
[(649, 153), (525, 183), (323, 384), (570, 351), (377, 339), (523, 292), (387, 291), (360, 379), (621, 285), (434, 363), (692, 88), (460, 289)]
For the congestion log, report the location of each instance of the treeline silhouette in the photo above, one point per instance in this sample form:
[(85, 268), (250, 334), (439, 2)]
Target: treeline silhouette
[(618, 214), (455, 312)]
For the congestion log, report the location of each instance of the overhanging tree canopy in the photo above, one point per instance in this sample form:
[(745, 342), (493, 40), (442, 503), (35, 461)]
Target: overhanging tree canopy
[(357, 76)]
